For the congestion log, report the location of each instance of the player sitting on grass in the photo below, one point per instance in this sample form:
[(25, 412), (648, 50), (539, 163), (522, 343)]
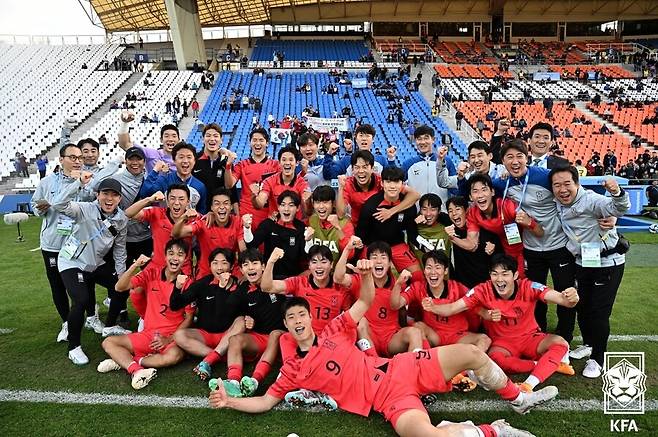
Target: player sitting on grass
[(517, 345), (141, 352), (435, 288), (217, 317), (383, 325), (330, 363), (262, 316)]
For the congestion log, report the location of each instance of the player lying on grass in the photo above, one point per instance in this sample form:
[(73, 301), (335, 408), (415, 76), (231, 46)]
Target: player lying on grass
[(216, 299), (262, 318), (330, 363), (383, 326), (141, 352), (517, 345), (439, 331)]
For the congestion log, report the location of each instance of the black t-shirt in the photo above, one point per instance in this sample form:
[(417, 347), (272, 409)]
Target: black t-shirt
[(291, 239), (266, 309), (217, 307), (393, 230), (472, 268)]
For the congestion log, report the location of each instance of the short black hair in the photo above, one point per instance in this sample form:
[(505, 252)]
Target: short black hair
[(393, 174), (479, 145), (323, 193), (289, 149), (177, 242), (516, 144), (540, 126), (457, 201), (167, 127), (505, 261), (252, 254), (295, 301), (432, 199), (180, 146), (366, 155), (65, 147), (437, 255), (229, 255), (424, 130), (221, 192), (182, 187), (323, 251), (259, 130), (564, 169), (293, 196), (380, 246), (365, 129), (212, 126), (484, 179), (306, 137), (91, 141)]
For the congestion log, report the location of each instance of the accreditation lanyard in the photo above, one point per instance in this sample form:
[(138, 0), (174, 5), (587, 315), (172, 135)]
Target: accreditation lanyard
[(523, 190)]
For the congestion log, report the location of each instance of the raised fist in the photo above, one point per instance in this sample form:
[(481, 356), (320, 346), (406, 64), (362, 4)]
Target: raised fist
[(276, 254), (611, 186), (523, 218), (342, 180), (161, 167), (450, 230), (443, 151), (355, 242), (489, 248), (158, 196), (334, 221), (246, 220), (420, 220), (405, 275), (75, 174), (308, 233), (248, 322), (142, 260), (571, 295), (127, 116), (85, 177), (495, 315), (180, 281), (332, 148), (390, 153)]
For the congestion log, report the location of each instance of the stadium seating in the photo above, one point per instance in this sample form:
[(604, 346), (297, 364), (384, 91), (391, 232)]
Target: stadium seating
[(415, 46), (279, 99), (650, 90), (472, 89), (318, 50), (630, 119), (325, 64), (48, 84), (470, 71), (553, 52), (463, 53), (164, 85), (585, 137), (612, 71)]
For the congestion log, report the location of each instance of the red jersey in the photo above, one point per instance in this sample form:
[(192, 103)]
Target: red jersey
[(382, 319), (326, 303), (355, 197), (157, 291), (210, 238), (274, 186), (452, 292), (335, 366), (250, 172), (518, 312), (161, 226)]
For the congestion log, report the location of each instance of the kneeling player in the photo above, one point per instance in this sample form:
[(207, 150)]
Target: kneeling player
[(217, 318), (435, 289), (517, 345), (383, 322), (330, 363), (141, 352), (262, 315)]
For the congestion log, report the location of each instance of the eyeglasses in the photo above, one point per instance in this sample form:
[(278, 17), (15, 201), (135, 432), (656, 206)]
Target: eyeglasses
[(74, 158)]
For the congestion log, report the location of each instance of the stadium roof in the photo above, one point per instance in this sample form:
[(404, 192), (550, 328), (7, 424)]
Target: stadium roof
[(130, 15)]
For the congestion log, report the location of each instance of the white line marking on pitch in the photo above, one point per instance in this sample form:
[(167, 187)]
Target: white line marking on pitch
[(35, 249), (653, 338), (202, 402), (6, 330)]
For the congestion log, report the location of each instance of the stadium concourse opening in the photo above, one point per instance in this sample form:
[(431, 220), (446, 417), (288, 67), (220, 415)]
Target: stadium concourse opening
[(444, 212)]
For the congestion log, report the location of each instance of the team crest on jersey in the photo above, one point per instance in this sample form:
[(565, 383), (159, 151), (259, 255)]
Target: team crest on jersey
[(540, 195), (334, 301), (292, 241), (329, 344), (416, 172), (400, 218), (273, 298)]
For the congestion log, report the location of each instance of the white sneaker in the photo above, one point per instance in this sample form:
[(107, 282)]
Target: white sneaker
[(504, 429), (592, 369), (63, 333), (140, 325), (106, 302), (580, 352), (114, 330), (108, 366), (142, 377), (531, 400), (78, 357), (95, 324)]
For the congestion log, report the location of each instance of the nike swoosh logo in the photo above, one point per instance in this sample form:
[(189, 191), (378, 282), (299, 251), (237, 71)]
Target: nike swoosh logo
[(210, 297), (274, 234), (251, 304), (197, 171), (564, 265), (599, 283)]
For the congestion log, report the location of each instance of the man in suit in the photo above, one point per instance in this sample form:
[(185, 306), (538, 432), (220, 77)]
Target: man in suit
[(540, 140)]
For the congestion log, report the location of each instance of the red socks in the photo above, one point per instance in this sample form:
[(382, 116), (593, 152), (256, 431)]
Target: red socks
[(261, 371), (234, 372), (513, 364), (212, 358), (133, 367), (549, 362), (488, 430), (510, 392)]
